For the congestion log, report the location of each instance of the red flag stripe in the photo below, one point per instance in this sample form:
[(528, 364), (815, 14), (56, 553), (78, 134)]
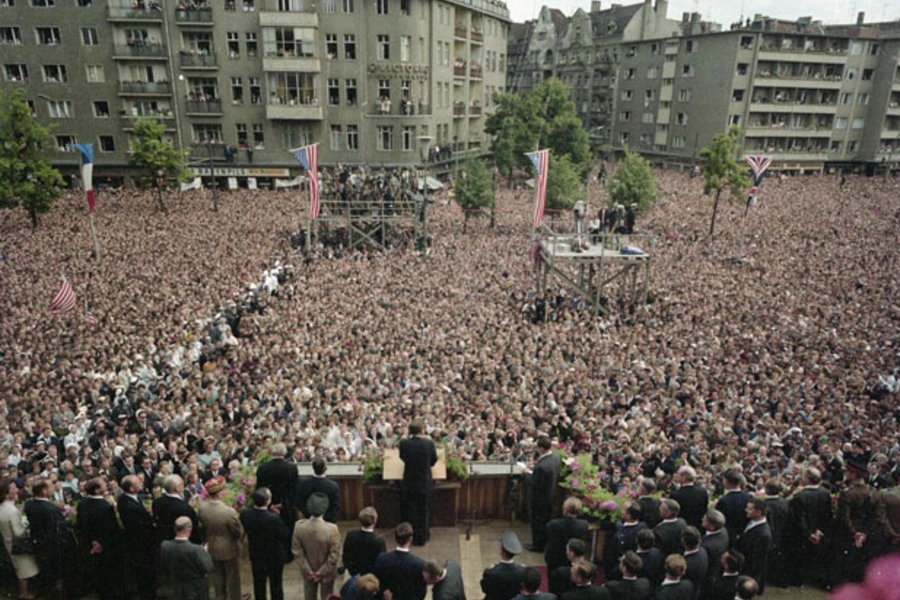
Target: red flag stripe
[(64, 300)]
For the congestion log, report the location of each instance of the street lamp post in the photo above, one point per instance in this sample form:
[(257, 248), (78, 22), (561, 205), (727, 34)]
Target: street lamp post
[(212, 172)]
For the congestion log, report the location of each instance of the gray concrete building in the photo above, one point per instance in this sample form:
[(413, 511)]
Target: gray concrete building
[(377, 82)]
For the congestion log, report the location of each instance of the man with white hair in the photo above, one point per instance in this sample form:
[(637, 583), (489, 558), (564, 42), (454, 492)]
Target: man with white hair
[(693, 499)]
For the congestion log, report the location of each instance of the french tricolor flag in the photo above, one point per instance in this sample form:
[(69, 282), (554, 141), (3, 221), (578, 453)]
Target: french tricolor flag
[(87, 172)]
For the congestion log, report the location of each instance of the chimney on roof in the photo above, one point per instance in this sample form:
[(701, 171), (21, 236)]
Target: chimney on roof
[(695, 17), (861, 17), (595, 6), (685, 17)]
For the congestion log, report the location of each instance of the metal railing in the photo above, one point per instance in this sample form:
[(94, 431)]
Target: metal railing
[(208, 106), (145, 87), (196, 60)]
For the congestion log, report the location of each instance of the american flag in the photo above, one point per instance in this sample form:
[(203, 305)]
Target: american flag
[(87, 172), (308, 157), (64, 300), (541, 162), (90, 318), (758, 165)]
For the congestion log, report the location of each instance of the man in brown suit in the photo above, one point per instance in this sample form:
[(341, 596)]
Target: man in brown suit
[(317, 547), (223, 529)]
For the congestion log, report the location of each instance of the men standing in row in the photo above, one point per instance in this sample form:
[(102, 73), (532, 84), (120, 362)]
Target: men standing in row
[(185, 565), (140, 531), (223, 531), (267, 537), (400, 571), (560, 531), (362, 546), (54, 540), (544, 476), (98, 535), (755, 542), (281, 479), (810, 518), (693, 499), (317, 545), (418, 454), (504, 580), (319, 483), (171, 505)]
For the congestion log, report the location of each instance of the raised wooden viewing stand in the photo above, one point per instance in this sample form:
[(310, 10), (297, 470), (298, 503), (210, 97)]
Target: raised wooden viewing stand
[(482, 496), (591, 273)]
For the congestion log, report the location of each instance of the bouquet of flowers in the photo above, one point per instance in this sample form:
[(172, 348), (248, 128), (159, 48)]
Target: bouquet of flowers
[(582, 478)]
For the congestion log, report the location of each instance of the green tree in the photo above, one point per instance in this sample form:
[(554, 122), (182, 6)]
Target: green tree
[(513, 128), (633, 183), (28, 180), (564, 187), (721, 169), (160, 159), (474, 191)]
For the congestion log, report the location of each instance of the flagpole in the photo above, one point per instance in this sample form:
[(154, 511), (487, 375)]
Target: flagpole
[(94, 235)]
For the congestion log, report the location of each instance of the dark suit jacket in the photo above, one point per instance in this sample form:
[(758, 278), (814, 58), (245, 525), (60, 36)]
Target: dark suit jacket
[(309, 486), (96, 521), (683, 590), (668, 536), (654, 565), (637, 589), (755, 545), (418, 455), (281, 478), (716, 545), (697, 568), (543, 483), (401, 572), (186, 567), (140, 530), (559, 532), (722, 588), (622, 540), (54, 538), (361, 549), (503, 581), (694, 502), (168, 508), (536, 596), (451, 587), (267, 535), (649, 510), (733, 505), (809, 511), (586, 592)]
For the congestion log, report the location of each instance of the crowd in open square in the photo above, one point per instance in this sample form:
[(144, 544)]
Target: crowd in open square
[(750, 409)]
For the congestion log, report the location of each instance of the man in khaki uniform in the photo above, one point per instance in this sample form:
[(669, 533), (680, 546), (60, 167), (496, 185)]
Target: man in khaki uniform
[(223, 529), (317, 546)]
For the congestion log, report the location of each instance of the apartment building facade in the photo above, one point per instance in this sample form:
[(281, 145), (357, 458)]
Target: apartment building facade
[(240, 82)]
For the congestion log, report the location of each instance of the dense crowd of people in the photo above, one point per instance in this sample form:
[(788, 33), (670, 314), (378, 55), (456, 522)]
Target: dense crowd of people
[(206, 348)]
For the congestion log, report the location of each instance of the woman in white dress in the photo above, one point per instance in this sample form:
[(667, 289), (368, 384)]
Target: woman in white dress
[(11, 526)]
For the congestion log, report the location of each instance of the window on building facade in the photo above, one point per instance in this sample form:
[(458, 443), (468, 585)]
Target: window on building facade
[(652, 72), (329, 6), (678, 141), (293, 88), (16, 73), (234, 44), (405, 7), (624, 136), (737, 96), (627, 95), (742, 69), (94, 73), (207, 132), (625, 116), (381, 6), (237, 90), (252, 44), (384, 88), (255, 90), (408, 139), (259, 136), (331, 45), (55, 74), (384, 47), (648, 118), (107, 143), (852, 146), (858, 123), (47, 36), (43, 3), (687, 70), (60, 109), (347, 6), (405, 48), (10, 35), (734, 120), (337, 135), (840, 123), (240, 133), (681, 119), (65, 143), (334, 92), (350, 46), (350, 91), (385, 137), (101, 109), (289, 41), (352, 137)]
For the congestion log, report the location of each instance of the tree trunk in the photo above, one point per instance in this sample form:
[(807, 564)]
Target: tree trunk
[(465, 221), (159, 199), (34, 218), (712, 223)]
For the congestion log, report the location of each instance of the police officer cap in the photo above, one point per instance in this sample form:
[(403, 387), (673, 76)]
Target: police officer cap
[(509, 541)]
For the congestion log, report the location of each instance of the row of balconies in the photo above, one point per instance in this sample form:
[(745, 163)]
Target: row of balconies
[(473, 71), (461, 32), (461, 109), (193, 16)]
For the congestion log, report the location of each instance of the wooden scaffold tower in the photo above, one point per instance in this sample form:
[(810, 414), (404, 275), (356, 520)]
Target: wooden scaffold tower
[(608, 271)]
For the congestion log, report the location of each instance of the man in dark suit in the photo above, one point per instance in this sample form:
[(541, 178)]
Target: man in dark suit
[(583, 573), (746, 588), (544, 476), (722, 588), (185, 566), (559, 580), (503, 581), (733, 503), (268, 538), (418, 455), (171, 505), (531, 583), (560, 531), (674, 586), (777, 515), (400, 571), (755, 542), (140, 533), (630, 587), (649, 505), (668, 531), (809, 521), (623, 540), (715, 540), (321, 484), (692, 498), (446, 580), (98, 535), (362, 546), (280, 478), (695, 559), (651, 556), (53, 537)]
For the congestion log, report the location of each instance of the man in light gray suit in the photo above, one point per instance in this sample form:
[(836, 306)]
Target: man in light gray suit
[(446, 581), (317, 546)]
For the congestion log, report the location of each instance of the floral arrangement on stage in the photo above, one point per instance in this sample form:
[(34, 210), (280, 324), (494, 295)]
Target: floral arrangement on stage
[(582, 478), (372, 465)]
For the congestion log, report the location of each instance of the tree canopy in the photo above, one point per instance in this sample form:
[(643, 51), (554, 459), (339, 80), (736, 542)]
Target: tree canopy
[(564, 186), (474, 190), (633, 182), (28, 179), (721, 169), (151, 152)]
